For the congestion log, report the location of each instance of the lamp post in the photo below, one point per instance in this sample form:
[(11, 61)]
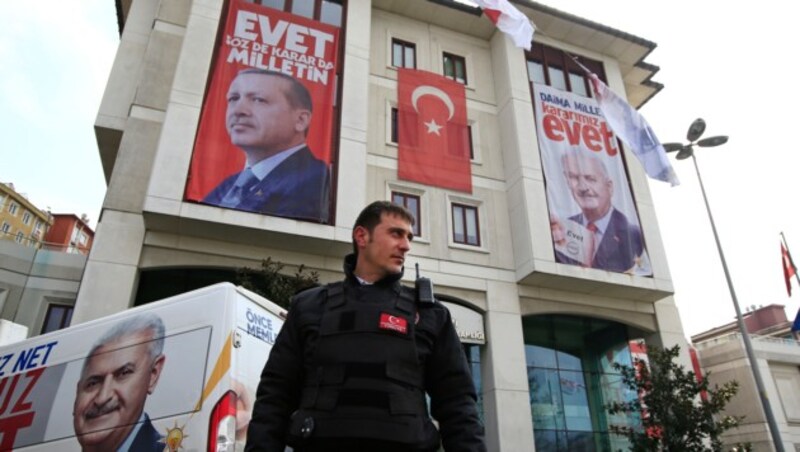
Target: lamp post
[(685, 151)]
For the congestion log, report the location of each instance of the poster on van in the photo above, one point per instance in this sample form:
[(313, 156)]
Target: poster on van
[(166, 378), (133, 373)]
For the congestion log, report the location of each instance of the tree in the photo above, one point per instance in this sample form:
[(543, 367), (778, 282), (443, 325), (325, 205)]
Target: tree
[(269, 282), (679, 411)]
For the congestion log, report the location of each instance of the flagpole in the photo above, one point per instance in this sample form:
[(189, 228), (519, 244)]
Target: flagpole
[(685, 151), (795, 333), (791, 262), (748, 346)]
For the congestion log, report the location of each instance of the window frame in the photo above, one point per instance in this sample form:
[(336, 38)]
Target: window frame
[(416, 212), (463, 220), (455, 60), (554, 58), (288, 6), (393, 124), (65, 320), (12, 208), (404, 45)]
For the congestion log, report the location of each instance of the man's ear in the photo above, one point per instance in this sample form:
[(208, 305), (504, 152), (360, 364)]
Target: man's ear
[(155, 372), (303, 121), (360, 236)]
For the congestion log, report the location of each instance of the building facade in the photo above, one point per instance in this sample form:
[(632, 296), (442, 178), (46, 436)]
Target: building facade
[(550, 329), (70, 233), (723, 356), (38, 279), (38, 287), (20, 220)]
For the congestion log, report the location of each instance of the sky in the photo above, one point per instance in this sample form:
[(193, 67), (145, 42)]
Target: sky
[(722, 61)]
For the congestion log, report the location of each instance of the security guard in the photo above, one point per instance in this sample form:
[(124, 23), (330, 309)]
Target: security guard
[(355, 359)]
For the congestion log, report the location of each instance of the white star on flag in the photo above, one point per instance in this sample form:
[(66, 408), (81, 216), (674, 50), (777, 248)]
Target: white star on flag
[(433, 127)]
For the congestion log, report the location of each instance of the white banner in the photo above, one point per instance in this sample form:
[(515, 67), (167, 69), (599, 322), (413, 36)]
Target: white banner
[(593, 218)]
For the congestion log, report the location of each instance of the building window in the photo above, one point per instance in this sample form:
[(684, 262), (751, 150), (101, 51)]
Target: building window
[(469, 137), (412, 203), (577, 84), (37, 226), (571, 379), (455, 68), (473, 352), (404, 54), (326, 11), (6, 228), (331, 12), (536, 72), (465, 225), (12, 208), (303, 8), (26, 217), (58, 316), (394, 125), (553, 67), (20, 237)]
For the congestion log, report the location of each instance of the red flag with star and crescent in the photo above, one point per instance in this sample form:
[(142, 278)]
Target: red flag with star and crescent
[(788, 268), (432, 133)]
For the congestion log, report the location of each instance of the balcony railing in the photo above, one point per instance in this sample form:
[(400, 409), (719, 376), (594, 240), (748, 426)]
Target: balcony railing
[(708, 343), (49, 246)]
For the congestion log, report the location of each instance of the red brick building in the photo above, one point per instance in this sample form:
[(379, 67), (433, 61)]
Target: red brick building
[(70, 233)]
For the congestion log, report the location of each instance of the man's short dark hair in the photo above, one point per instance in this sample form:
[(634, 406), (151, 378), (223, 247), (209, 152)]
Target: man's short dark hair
[(297, 94), (371, 216)]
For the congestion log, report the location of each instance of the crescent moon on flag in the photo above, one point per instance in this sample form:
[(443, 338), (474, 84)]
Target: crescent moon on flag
[(432, 91)]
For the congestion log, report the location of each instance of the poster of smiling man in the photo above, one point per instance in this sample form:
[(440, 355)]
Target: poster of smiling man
[(264, 140), (593, 218)]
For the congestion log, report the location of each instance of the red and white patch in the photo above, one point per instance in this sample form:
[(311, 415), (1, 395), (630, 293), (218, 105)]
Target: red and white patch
[(393, 323)]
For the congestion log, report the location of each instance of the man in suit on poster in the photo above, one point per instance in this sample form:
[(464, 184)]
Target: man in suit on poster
[(614, 243), (267, 117), (122, 369)]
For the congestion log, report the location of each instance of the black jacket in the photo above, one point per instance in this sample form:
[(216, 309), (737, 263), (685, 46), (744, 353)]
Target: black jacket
[(447, 378)]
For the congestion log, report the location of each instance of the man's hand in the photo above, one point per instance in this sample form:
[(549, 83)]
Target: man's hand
[(557, 230)]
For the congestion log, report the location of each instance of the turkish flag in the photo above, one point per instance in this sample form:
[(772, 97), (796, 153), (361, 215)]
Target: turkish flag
[(432, 134), (788, 268)]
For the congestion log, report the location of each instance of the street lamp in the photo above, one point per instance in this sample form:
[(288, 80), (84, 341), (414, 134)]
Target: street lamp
[(685, 151)]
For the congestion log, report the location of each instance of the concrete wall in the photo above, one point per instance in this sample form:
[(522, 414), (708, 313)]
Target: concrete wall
[(31, 279)]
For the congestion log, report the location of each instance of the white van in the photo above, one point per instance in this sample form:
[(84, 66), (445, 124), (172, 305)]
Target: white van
[(196, 380)]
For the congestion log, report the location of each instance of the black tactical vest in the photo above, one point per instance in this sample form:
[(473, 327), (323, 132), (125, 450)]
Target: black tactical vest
[(366, 379)]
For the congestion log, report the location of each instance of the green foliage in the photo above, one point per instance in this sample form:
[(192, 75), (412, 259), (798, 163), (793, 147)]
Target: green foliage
[(674, 415), (269, 282)]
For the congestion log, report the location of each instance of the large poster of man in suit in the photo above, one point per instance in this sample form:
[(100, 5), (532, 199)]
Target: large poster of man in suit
[(266, 128), (593, 218)]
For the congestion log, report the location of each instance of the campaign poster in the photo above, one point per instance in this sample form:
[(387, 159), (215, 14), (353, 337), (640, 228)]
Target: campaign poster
[(83, 391), (264, 142), (593, 217)]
